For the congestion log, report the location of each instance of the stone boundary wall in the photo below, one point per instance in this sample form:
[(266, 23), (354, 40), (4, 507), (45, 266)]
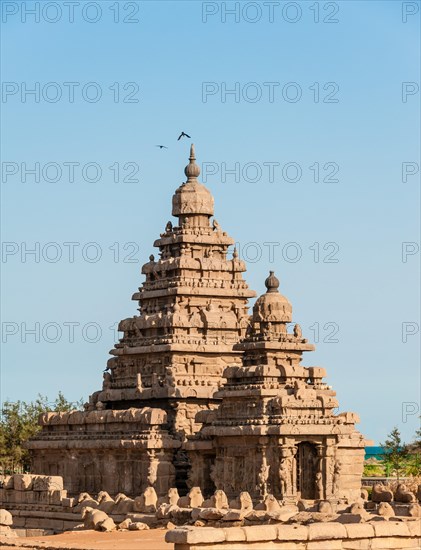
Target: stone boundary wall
[(370, 481), (378, 535), (39, 504)]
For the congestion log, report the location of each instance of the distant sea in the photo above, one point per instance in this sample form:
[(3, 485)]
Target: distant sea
[(374, 452)]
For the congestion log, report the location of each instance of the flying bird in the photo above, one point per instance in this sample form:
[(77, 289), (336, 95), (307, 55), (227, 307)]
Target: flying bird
[(183, 134), (162, 146)]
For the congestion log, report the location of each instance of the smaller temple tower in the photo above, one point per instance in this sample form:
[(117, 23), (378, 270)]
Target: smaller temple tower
[(275, 430)]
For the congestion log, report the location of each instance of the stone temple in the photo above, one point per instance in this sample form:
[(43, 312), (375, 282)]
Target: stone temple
[(200, 393)]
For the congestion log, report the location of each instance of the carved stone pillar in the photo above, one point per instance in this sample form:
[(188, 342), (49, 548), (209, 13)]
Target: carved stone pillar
[(321, 472), (287, 470), (330, 469), (263, 473)]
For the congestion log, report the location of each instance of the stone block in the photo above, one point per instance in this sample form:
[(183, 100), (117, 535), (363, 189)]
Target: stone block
[(326, 531), (414, 527), (286, 512), (55, 524), (324, 545), (261, 533), (8, 482), (180, 515), (359, 530), (56, 496), (234, 515), (235, 534), (351, 518), (195, 535), (6, 518), (48, 483), (206, 535), (29, 497), (68, 502), (391, 529), (211, 514), (22, 482), (18, 522), (392, 543), (257, 515), (356, 544), (178, 536), (292, 532)]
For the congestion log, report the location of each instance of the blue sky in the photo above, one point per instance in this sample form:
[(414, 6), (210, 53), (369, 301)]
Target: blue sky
[(348, 120)]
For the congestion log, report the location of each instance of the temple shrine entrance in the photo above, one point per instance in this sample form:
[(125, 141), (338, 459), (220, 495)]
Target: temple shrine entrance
[(306, 470)]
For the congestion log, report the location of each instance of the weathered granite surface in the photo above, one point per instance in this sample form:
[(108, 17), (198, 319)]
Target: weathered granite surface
[(319, 536)]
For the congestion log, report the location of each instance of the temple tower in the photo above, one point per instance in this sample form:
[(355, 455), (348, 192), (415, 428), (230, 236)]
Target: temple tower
[(192, 310), (166, 367), (275, 430)]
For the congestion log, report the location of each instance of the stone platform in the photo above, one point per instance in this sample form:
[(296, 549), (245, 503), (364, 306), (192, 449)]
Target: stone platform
[(382, 535)]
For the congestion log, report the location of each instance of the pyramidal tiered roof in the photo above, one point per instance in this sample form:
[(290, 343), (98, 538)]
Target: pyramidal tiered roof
[(271, 388), (192, 310)]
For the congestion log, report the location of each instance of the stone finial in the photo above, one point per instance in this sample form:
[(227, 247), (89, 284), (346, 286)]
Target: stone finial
[(272, 283), (192, 197), (192, 170)]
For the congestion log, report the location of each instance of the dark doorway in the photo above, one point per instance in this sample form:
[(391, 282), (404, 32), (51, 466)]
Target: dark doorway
[(306, 470), (208, 484)]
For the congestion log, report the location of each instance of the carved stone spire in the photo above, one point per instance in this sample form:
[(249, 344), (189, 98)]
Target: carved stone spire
[(272, 283), (192, 170), (192, 197)]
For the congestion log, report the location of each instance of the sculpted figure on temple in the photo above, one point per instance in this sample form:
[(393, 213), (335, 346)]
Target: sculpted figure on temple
[(215, 225), (381, 493), (263, 476), (297, 331), (107, 380), (168, 227), (153, 471), (336, 477), (139, 385), (284, 476), (319, 485), (403, 494)]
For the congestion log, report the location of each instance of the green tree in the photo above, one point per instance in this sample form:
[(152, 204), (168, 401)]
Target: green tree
[(416, 444), (396, 454), (19, 422)]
